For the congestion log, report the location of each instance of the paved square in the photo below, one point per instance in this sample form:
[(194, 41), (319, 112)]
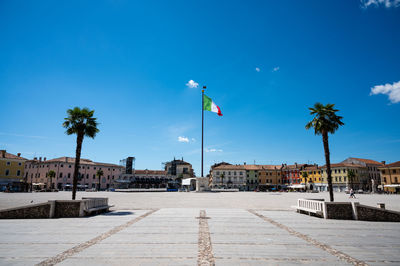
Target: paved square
[(222, 232)]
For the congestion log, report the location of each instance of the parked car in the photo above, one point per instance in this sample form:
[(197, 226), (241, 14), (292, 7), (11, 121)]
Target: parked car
[(360, 191)]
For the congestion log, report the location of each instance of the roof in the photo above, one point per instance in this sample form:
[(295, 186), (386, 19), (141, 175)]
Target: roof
[(395, 164), (11, 156), (150, 172), (249, 167), (230, 167), (335, 165), (367, 161), (293, 166), (312, 167), (82, 161)]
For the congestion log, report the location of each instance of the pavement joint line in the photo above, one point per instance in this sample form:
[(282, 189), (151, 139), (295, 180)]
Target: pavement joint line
[(72, 251), (205, 254), (314, 242)]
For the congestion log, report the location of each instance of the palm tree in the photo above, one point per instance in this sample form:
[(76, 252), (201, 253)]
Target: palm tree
[(99, 174), (305, 176), (82, 123), (50, 175), (351, 176), (324, 122)]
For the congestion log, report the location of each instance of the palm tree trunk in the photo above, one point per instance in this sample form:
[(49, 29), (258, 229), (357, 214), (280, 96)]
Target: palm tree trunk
[(99, 183), (328, 163), (79, 140)]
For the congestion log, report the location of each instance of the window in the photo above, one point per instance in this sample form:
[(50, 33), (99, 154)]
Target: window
[(69, 166), (384, 179), (87, 176), (60, 175), (335, 171), (62, 165), (234, 173), (55, 165), (18, 172), (109, 169), (217, 172), (8, 163), (395, 180), (94, 168), (344, 170), (83, 167), (94, 176), (88, 167), (108, 177), (394, 171), (241, 173), (69, 175), (7, 172), (19, 164), (113, 169), (344, 179)]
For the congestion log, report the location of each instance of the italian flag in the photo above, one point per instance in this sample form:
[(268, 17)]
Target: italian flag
[(209, 105)]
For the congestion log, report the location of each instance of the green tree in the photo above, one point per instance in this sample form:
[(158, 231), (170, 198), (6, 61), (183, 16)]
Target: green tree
[(50, 175), (325, 121), (350, 177), (99, 174), (82, 123), (305, 176)]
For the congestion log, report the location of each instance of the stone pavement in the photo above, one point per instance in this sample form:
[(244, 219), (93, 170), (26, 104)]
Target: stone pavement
[(198, 236)]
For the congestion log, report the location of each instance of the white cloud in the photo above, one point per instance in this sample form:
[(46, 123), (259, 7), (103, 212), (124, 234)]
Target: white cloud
[(214, 150), (275, 69), (183, 139), (393, 90), (376, 3), (258, 69), (192, 84)]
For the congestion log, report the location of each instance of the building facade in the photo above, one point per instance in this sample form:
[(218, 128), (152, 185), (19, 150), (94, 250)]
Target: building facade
[(340, 176), (269, 177), (314, 178), (291, 174), (390, 177), (372, 179), (12, 171), (178, 169), (228, 176), (36, 173)]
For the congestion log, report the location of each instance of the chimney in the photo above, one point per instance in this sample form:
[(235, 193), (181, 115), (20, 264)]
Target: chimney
[(44, 159), (34, 158), (295, 164), (3, 153), (244, 163), (19, 154), (383, 162), (40, 159)]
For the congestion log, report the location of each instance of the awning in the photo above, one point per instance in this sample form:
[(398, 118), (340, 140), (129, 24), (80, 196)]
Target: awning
[(394, 185), (297, 186), (187, 181)]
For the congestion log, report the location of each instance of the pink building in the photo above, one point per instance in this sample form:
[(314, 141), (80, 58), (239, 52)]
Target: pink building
[(36, 173)]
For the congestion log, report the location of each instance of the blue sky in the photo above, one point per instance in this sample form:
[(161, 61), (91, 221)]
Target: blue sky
[(263, 62)]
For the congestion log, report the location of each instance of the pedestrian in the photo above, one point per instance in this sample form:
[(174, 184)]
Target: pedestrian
[(352, 195)]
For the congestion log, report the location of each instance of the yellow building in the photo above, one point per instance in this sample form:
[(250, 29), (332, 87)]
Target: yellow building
[(314, 177), (390, 177), (340, 179), (11, 171)]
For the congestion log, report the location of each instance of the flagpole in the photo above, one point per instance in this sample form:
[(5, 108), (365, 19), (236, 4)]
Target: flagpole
[(202, 128)]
